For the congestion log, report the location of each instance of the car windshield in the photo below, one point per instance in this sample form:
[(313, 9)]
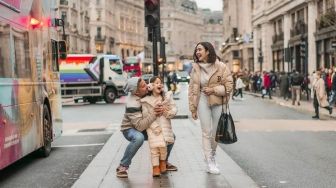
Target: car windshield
[(183, 74)]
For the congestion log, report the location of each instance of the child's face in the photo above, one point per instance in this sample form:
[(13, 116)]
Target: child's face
[(157, 86)]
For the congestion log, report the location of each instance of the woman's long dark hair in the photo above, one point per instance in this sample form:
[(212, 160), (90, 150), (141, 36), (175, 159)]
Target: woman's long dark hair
[(208, 47), (152, 80)]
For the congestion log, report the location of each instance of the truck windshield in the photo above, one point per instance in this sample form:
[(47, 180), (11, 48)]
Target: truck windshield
[(115, 65)]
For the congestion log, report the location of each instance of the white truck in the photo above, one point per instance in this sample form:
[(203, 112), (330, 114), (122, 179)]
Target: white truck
[(92, 78)]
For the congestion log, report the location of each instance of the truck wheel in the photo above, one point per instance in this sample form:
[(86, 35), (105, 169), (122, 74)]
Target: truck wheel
[(45, 150), (110, 95)]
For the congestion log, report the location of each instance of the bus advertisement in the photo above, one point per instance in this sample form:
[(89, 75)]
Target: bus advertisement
[(30, 100), (132, 65)]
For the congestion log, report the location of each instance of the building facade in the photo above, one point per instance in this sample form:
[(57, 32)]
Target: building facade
[(294, 35), (76, 19), (237, 48), (117, 27), (182, 26), (213, 30)]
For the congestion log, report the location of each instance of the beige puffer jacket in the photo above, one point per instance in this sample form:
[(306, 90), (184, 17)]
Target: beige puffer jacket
[(222, 76), (160, 132)]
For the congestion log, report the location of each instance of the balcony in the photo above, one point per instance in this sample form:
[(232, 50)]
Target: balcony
[(278, 38), (100, 38), (300, 28), (326, 20), (64, 2)]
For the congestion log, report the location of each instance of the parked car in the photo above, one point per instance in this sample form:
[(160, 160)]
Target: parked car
[(183, 76)]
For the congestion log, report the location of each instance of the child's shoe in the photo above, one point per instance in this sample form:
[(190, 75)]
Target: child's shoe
[(156, 171), (163, 166)]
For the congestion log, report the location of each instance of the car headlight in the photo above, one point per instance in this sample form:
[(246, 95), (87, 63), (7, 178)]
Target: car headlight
[(179, 77), (188, 77)]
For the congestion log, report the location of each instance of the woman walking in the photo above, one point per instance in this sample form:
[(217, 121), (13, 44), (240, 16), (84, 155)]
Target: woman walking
[(210, 87), (320, 95)]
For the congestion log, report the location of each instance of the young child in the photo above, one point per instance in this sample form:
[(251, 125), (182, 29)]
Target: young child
[(160, 132)]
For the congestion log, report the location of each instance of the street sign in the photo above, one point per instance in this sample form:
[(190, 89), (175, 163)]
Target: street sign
[(333, 44)]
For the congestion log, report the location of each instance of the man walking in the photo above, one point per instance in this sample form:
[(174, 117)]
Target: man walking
[(296, 82), (134, 123)]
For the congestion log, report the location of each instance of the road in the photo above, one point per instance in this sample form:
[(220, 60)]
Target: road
[(280, 147), (277, 146), (86, 129)]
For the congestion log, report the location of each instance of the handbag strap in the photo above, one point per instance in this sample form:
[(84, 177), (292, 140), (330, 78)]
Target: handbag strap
[(227, 107)]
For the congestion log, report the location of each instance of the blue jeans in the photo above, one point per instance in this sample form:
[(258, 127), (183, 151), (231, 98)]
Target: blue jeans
[(332, 98), (136, 139)]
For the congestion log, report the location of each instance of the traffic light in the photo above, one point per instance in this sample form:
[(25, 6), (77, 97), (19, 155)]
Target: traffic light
[(152, 13), (303, 47)]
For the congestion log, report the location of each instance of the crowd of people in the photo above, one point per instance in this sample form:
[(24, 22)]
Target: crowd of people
[(320, 86)]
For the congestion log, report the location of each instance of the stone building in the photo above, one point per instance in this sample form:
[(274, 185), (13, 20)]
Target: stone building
[(117, 27), (237, 49), (182, 26), (293, 34), (76, 19), (213, 30)]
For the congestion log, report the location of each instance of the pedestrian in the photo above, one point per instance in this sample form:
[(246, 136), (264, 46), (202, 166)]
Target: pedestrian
[(160, 132), (168, 81), (296, 82), (284, 85), (210, 87), (305, 86), (320, 96), (332, 98), (267, 85), (134, 123), (239, 86)]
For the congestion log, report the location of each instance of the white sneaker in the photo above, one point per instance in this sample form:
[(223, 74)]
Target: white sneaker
[(212, 166)]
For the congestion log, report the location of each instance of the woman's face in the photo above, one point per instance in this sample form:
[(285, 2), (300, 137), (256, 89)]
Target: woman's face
[(201, 53), (157, 86)]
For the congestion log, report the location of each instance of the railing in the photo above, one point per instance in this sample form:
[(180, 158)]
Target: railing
[(279, 37), (100, 38), (299, 28), (326, 20)]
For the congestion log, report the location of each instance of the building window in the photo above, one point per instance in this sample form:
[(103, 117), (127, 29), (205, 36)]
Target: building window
[(99, 48), (98, 15), (21, 49), (99, 35), (320, 7)]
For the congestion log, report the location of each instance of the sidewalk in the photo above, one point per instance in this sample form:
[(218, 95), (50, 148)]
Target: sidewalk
[(305, 106), (186, 155)]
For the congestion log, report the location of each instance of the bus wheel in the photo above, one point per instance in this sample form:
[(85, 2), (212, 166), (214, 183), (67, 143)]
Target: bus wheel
[(47, 133), (110, 95)]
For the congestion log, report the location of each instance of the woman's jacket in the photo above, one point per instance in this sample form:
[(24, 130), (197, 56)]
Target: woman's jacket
[(220, 78)]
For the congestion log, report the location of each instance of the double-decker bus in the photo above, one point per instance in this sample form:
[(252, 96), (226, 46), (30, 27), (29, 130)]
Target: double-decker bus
[(132, 65), (30, 100)]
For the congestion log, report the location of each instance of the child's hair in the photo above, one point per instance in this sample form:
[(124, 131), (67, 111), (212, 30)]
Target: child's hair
[(152, 80)]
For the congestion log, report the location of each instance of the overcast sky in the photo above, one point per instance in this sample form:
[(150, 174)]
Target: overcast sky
[(211, 4)]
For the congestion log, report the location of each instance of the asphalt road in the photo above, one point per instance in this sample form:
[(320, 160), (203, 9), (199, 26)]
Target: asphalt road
[(86, 129), (274, 153)]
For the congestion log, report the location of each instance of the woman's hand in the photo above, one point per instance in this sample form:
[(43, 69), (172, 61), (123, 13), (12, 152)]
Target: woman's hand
[(208, 91), (194, 115)]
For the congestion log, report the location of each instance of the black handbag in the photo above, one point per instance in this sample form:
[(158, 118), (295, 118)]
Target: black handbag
[(226, 133)]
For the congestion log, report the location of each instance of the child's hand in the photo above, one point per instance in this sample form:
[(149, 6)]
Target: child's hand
[(157, 131), (158, 110)]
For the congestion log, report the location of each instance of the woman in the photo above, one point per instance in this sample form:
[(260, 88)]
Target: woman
[(210, 87), (320, 95)]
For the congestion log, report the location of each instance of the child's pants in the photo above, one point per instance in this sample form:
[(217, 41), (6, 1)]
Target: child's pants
[(158, 154)]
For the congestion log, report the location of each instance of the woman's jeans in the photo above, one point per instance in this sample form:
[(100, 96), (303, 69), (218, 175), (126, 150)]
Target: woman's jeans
[(209, 116), (136, 139)]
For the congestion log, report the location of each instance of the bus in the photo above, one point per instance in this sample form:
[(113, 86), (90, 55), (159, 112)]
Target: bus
[(30, 100), (132, 65)]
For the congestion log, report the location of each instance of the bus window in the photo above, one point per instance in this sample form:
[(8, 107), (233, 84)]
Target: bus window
[(5, 65), (54, 55), (21, 50)]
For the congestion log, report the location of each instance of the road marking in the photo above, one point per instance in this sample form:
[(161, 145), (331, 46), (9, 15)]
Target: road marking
[(79, 145)]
